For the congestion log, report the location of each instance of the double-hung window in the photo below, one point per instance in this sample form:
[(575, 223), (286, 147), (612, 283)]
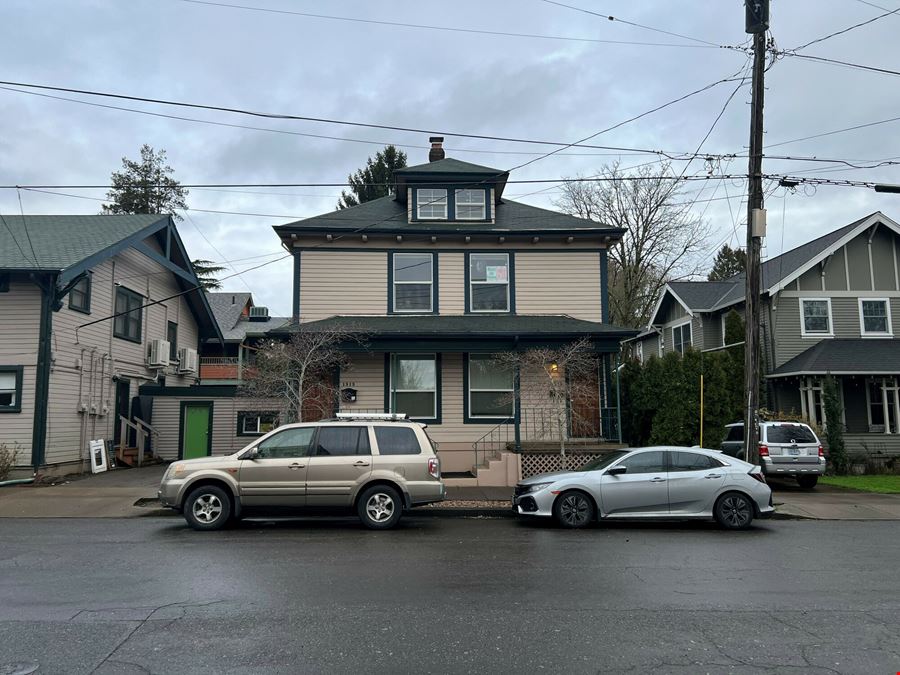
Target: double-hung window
[(491, 387), (414, 385), (681, 337), (127, 324), (816, 317), (10, 389), (172, 339), (875, 317), (80, 295), (489, 282), (413, 275), (469, 204), (431, 204)]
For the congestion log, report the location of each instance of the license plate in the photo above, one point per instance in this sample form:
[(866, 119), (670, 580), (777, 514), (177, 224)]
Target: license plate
[(793, 451)]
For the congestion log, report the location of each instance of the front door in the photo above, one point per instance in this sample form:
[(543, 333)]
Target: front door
[(641, 491), (342, 461), (196, 429), (123, 388), (276, 476), (585, 405)]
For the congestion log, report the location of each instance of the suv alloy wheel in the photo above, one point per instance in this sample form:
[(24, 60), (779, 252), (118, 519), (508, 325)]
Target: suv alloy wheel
[(379, 507), (207, 508)]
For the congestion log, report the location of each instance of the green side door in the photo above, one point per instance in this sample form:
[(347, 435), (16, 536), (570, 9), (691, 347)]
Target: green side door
[(195, 440)]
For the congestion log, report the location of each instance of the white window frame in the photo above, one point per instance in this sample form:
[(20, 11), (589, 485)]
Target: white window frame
[(472, 284), (431, 201), (258, 417), (483, 204), (477, 357), (392, 391), (807, 334), (690, 343), (862, 324), (884, 385), (396, 283)]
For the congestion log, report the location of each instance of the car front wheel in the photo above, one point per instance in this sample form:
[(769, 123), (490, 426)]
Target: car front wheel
[(807, 482), (573, 510), (734, 511), (380, 507), (207, 508)]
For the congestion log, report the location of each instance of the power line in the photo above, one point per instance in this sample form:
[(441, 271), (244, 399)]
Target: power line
[(833, 132), (631, 23), (450, 29), (822, 59), (845, 30)]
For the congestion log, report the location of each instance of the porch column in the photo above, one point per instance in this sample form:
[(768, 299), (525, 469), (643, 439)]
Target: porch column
[(618, 399), (803, 411), (240, 363), (517, 412), (811, 400), (896, 407), (884, 406)]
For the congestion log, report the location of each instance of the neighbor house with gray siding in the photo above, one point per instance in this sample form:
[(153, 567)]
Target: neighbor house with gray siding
[(91, 308), (830, 306)]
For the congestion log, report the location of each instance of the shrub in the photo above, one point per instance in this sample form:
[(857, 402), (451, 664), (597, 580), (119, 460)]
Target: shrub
[(7, 459)]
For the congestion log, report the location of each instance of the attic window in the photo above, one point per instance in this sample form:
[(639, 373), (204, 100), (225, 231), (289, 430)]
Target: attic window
[(431, 204), (470, 204)]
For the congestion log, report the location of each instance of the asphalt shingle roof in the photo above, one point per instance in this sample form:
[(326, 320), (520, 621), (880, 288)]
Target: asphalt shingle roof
[(856, 355), (468, 325), (701, 294), (227, 308), (386, 215), (449, 165), (62, 241)]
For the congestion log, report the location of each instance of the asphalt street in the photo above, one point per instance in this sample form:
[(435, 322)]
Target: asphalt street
[(447, 596)]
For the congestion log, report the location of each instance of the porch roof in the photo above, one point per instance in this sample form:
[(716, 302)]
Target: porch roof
[(858, 356), (469, 332)]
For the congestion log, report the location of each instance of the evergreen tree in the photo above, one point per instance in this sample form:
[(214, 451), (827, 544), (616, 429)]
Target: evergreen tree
[(834, 429), (206, 271), (146, 186), (729, 261), (374, 179)]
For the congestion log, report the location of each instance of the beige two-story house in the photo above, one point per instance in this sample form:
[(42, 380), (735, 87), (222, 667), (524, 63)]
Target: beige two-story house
[(91, 308), (830, 306), (441, 275)]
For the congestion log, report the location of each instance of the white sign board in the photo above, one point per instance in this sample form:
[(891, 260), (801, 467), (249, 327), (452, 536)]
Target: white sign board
[(495, 273), (97, 450)]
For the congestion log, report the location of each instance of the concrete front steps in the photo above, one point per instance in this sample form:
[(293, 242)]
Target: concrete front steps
[(502, 471)]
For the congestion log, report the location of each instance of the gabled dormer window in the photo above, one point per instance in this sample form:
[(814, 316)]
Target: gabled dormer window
[(470, 204), (431, 204)]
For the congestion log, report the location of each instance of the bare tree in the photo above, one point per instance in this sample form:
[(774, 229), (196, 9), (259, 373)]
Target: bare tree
[(296, 375), (662, 239), (561, 382)]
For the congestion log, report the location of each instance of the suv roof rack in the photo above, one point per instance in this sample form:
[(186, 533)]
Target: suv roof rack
[(383, 417)]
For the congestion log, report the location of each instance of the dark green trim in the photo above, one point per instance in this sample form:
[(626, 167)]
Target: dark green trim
[(159, 259), (437, 383), (209, 434), (604, 286), (205, 390), (447, 229), (435, 290), (42, 374), (296, 289), (4, 283), (18, 370), (512, 281), (140, 299), (86, 308), (499, 343), (451, 204), (485, 420), (372, 249)]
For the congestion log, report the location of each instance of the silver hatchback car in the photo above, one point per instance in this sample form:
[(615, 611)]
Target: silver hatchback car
[(650, 483), (376, 465)]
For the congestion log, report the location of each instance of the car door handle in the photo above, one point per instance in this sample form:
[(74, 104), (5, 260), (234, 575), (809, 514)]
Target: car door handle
[(713, 475), (360, 464), (657, 480), (296, 466)]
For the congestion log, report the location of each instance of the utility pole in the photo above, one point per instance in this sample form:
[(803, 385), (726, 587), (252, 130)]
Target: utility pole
[(757, 23)]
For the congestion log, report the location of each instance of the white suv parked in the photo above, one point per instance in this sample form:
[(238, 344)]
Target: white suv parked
[(785, 449)]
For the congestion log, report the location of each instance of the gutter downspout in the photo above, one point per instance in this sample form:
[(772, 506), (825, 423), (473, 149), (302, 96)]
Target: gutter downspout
[(42, 374), (517, 399)]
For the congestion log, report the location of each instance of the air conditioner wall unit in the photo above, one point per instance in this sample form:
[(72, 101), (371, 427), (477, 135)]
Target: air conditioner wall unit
[(259, 313), (187, 360), (159, 353)]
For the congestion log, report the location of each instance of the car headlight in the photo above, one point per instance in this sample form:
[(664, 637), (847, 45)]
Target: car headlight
[(534, 487), (176, 470)]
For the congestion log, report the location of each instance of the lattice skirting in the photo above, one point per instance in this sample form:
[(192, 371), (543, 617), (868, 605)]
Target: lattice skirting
[(539, 462)]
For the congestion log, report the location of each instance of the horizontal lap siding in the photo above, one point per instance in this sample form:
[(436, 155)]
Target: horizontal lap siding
[(559, 283), (225, 441), (20, 319), (452, 289), (341, 282)]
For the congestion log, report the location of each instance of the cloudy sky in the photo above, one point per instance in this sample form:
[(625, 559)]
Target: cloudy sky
[(535, 86)]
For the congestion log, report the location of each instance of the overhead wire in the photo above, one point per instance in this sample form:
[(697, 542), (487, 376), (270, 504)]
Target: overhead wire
[(844, 30)]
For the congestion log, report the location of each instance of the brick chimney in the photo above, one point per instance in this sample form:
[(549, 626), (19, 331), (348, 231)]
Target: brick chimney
[(437, 148)]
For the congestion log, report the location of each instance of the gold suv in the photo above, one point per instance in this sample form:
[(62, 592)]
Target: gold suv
[(376, 465)]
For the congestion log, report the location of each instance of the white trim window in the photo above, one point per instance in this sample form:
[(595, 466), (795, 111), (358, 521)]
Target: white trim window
[(815, 317), (257, 423), (431, 203), (469, 205), (491, 388), (883, 405), (413, 385), (681, 337), (489, 282), (413, 288), (875, 317)]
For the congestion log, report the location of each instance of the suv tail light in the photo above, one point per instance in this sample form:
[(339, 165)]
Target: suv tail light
[(763, 450), (821, 451), (758, 475), (434, 467)]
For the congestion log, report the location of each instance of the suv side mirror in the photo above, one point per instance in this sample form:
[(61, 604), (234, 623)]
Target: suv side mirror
[(253, 453), (617, 470)]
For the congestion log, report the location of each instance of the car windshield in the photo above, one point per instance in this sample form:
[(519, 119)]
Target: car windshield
[(790, 433), (604, 461)]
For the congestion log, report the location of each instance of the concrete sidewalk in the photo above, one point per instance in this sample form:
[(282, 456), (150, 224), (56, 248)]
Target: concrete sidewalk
[(831, 503)]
